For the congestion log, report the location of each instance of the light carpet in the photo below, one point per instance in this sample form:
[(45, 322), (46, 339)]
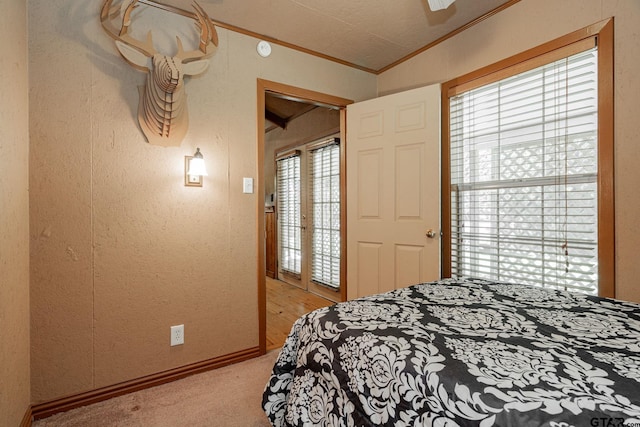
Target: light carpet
[(227, 397)]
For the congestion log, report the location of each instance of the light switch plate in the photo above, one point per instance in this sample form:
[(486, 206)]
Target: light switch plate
[(247, 185)]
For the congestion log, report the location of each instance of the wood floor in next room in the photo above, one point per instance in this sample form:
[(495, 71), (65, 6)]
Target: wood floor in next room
[(285, 303)]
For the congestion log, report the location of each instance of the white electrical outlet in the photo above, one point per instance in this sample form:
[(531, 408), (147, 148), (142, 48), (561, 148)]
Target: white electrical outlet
[(177, 335)]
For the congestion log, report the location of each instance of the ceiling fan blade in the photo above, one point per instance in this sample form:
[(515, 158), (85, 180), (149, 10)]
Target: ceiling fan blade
[(439, 4)]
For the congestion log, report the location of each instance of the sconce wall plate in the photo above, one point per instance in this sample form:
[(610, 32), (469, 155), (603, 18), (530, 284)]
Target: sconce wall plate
[(191, 180)]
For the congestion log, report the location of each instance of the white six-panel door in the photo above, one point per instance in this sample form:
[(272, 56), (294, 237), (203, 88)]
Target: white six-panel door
[(393, 191)]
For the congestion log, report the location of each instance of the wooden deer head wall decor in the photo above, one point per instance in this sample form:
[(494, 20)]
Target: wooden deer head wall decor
[(162, 109)]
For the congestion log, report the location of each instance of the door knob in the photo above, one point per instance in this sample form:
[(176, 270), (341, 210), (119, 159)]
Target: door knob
[(430, 233)]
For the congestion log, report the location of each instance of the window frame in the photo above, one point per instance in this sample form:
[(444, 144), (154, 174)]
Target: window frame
[(602, 33)]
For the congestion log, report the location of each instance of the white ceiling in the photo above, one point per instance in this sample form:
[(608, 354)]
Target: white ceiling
[(368, 34)]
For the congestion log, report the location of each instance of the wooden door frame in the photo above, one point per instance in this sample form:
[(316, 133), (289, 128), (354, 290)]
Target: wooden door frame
[(313, 97)]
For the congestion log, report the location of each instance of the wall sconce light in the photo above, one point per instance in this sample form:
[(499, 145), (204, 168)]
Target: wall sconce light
[(194, 169)]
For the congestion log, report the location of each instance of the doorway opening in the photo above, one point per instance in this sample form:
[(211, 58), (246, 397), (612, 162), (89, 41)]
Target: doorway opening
[(295, 121)]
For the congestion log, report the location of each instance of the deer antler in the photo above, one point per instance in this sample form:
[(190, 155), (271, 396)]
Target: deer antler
[(208, 36), (121, 34)]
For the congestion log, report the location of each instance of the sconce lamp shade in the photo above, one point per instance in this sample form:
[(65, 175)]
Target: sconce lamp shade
[(196, 165)]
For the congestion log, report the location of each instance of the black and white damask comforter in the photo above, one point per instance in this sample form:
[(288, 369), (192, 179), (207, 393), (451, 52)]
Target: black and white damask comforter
[(452, 353)]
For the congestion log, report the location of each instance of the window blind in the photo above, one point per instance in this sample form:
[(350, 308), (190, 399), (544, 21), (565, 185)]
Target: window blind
[(289, 221), (524, 169), (324, 181)]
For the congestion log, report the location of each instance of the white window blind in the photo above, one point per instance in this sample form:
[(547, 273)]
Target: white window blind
[(289, 225), (524, 169), (324, 174)]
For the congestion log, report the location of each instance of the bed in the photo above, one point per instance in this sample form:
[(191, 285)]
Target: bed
[(459, 353)]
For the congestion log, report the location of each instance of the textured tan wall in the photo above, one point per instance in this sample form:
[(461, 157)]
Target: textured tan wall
[(121, 250), (14, 216), (530, 23)]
